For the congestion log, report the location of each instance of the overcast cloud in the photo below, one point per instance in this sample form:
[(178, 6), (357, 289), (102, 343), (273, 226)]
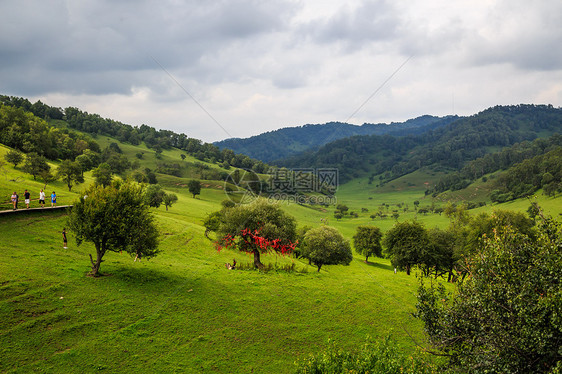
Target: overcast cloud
[(257, 66)]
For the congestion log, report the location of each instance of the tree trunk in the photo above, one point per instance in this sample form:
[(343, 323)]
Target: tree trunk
[(366, 259), (96, 265), (319, 266), (257, 262), (407, 269)]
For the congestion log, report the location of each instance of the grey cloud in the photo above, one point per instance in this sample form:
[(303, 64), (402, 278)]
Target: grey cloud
[(370, 22), (107, 43)]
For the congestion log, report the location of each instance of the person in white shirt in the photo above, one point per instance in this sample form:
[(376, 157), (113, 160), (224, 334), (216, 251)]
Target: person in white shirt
[(42, 198)]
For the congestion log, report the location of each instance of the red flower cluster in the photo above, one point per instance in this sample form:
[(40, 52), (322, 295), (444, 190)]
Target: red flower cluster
[(253, 238)]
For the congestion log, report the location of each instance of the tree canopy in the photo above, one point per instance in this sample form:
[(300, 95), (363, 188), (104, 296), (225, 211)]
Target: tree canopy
[(114, 218), (505, 316), (325, 245), (259, 227), (367, 241)]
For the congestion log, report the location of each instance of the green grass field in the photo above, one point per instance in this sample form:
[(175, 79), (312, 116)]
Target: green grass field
[(183, 311)]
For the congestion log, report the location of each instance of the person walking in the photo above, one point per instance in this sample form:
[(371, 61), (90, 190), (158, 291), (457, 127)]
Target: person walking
[(15, 200), (53, 199), (26, 196), (64, 241), (42, 199)]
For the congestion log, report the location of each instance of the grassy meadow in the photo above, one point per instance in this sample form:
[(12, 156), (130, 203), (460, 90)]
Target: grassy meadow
[(183, 311)]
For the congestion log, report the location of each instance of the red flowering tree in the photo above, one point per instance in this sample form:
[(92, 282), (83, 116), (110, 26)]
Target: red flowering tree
[(260, 227)]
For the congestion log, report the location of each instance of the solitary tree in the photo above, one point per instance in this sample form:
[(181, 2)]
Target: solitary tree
[(505, 317), (169, 199), (325, 245), (407, 244), (114, 218), (70, 172), (14, 157), (367, 241), (154, 195), (194, 187), (258, 228), (35, 164)]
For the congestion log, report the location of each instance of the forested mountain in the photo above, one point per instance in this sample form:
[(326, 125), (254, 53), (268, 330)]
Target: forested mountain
[(447, 148), (289, 141)]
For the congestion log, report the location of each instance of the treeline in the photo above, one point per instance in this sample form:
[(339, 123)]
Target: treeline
[(450, 147), (543, 171), (156, 139), (496, 161), (285, 142), (30, 134)]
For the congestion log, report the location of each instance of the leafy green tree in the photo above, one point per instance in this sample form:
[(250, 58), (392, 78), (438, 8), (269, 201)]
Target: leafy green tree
[(194, 187), (14, 157), (85, 163), (154, 195), (47, 177), (407, 244), (325, 245), (258, 228), (212, 222), (70, 172), (367, 241), (35, 164), (139, 177), (169, 199), (505, 317), (103, 175), (114, 218)]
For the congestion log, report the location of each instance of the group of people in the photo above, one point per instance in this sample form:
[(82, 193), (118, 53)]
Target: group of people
[(27, 197)]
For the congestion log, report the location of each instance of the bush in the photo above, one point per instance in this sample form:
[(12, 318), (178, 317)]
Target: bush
[(373, 358)]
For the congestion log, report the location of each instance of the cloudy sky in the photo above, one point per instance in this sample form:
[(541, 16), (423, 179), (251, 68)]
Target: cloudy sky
[(235, 68)]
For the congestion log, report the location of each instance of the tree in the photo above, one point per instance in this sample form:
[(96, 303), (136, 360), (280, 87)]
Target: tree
[(14, 157), (325, 245), (505, 317), (367, 241), (212, 222), (35, 164), (70, 172), (407, 244), (85, 163), (194, 187), (103, 175), (182, 156), (154, 195), (169, 199), (114, 218), (258, 228), (47, 177)]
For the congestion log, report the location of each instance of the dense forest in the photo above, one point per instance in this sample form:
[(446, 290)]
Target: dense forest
[(496, 161), (449, 148), (290, 141)]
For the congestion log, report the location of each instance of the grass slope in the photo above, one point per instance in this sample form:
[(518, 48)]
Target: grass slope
[(183, 311)]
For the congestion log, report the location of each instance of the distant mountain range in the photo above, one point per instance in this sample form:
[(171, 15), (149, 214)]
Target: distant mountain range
[(291, 141), (444, 148)]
